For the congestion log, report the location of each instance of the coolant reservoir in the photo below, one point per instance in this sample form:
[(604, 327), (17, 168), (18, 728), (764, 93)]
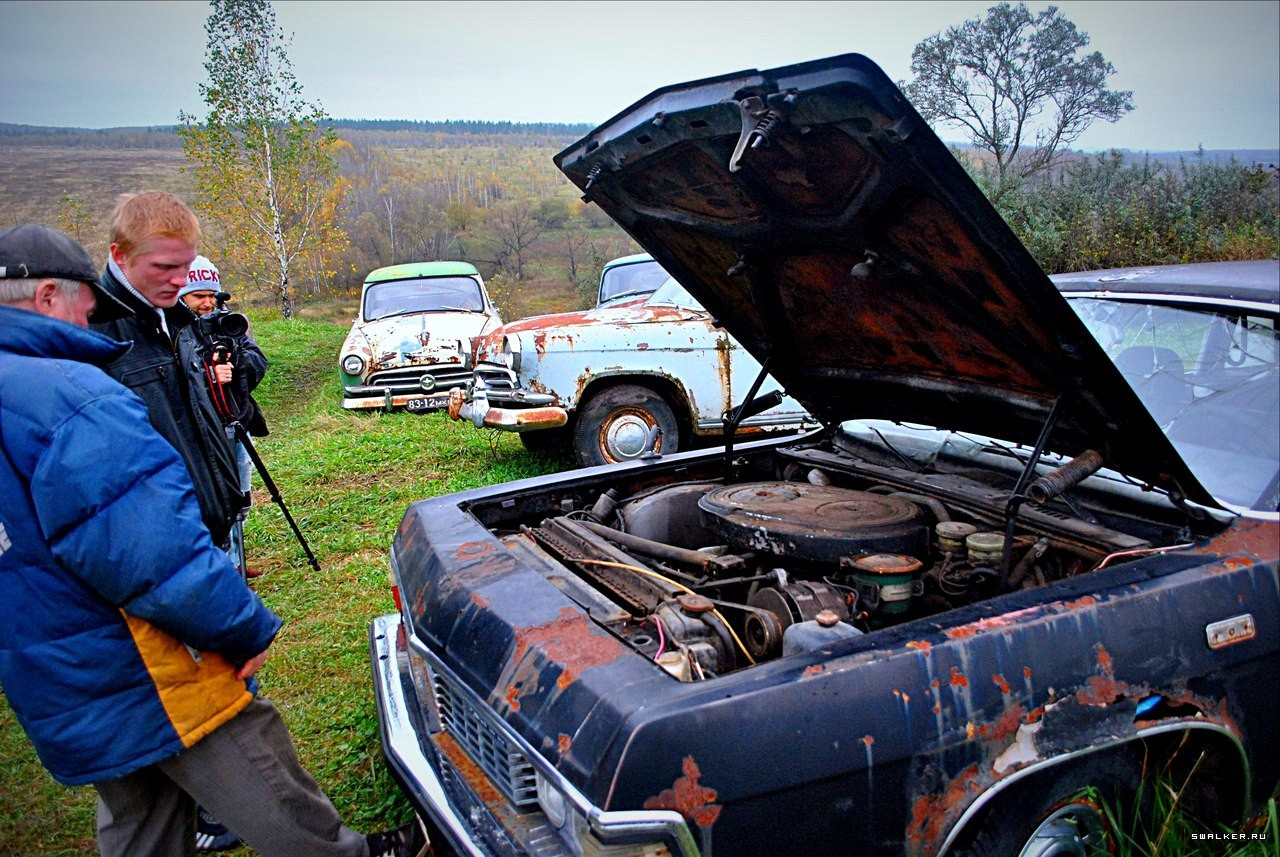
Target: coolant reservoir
[(822, 630)]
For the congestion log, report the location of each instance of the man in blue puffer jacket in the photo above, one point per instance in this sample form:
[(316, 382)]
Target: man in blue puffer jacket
[(128, 642)]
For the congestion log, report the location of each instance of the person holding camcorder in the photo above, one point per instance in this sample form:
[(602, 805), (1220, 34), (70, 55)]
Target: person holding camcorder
[(234, 366)]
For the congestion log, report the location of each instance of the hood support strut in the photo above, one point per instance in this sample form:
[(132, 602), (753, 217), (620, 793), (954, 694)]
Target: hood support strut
[(1014, 502)]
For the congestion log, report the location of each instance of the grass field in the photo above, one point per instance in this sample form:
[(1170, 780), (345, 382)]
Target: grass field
[(347, 479)]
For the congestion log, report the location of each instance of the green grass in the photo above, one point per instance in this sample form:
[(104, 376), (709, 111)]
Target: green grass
[(346, 478)]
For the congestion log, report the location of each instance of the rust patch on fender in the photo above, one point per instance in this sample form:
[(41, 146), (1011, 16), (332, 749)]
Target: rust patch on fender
[(570, 641), (512, 692), (1086, 601), (990, 623), (472, 550), (919, 644), (814, 670), (1000, 682), (695, 802), (958, 679), (930, 812), (563, 743), (479, 600)]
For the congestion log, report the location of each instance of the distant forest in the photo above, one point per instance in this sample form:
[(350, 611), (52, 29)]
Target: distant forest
[(403, 132), (488, 193)]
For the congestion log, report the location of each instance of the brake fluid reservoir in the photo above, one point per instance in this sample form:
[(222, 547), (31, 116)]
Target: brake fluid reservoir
[(985, 548), (951, 536)]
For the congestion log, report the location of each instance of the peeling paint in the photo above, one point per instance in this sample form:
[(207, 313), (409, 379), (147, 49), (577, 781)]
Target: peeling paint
[(929, 813), (571, 641), (695, 802)]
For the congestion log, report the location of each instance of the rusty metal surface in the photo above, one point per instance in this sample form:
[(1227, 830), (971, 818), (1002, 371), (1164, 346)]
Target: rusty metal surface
[(650, 340), (856, 253)]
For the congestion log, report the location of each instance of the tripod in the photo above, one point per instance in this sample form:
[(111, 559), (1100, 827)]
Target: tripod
[(243, 437)]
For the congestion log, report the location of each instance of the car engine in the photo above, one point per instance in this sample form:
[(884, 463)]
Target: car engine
[(707, 577)]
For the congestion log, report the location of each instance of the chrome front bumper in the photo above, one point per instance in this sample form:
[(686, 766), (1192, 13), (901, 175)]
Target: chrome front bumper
[(463, 818), (534, 411)]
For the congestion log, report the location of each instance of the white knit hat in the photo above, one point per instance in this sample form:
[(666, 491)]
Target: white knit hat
[(203, 277)]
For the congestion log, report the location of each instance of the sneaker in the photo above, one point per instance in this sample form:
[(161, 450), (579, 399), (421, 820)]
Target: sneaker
[(407, 841), (212, 835)]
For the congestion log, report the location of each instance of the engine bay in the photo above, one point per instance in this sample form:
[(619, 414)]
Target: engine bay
[(798, 549)]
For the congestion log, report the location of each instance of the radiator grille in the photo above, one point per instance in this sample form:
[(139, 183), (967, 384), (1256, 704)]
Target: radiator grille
[(447, 377), (505, 764)]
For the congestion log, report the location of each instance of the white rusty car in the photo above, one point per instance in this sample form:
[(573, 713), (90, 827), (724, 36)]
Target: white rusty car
[(408, 344), (647, 369)]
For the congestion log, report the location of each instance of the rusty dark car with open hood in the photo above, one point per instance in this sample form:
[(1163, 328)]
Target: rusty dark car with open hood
[(988, 594)]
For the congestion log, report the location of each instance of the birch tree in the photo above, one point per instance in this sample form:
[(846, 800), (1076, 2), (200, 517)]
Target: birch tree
[(264, 162)]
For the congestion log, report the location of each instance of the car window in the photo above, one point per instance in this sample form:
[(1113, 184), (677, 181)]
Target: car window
[(632, 279), (1211, 379), (428, 294)]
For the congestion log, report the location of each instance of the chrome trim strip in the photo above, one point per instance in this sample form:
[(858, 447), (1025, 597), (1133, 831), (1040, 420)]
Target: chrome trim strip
[(1179, 726), (400, 741), (1161, 297)]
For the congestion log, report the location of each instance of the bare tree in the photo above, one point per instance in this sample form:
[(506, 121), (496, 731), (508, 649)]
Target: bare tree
[(1017, 85), (514, 229)]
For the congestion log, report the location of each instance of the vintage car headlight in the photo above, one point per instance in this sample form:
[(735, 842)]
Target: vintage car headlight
[(353, 364), (553, 804), (511, 352)]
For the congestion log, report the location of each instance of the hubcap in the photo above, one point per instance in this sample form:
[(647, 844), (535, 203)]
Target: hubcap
[(623, 437), (1075, 830)]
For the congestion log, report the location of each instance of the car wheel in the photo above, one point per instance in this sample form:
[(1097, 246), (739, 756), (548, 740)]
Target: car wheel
[(1061, 814), (613, 425), (553, 441)]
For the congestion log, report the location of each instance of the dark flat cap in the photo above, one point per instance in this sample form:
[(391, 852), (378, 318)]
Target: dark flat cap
[(32, 252)]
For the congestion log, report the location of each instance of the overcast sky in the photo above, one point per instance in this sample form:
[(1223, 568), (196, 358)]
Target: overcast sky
[(1202, 73)]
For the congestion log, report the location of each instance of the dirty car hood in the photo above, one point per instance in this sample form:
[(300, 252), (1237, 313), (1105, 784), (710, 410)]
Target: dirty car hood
[(826, 226)]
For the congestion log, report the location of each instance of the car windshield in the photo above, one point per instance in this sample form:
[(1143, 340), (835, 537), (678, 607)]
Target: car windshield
[(1211, 379), (427, 294), (635, 278), (671, 293)]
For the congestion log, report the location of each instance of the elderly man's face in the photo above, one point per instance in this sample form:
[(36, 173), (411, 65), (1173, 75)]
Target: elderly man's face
[(201, 303), (73, 309), (158, 270)]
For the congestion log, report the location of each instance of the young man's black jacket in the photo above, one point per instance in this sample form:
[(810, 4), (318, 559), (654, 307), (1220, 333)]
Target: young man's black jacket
[(167, 373)]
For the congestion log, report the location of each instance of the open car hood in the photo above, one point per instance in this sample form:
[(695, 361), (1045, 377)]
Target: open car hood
[(826, 226)]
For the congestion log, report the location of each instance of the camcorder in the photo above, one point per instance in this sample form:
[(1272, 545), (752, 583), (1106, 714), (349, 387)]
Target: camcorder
[(222, 322), (222, 329)]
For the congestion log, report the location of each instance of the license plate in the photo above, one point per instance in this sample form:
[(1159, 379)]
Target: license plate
[(426, 403)]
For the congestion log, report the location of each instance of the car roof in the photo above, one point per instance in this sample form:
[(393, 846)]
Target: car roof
[(1252, 281), (421, 269), (628, 260)]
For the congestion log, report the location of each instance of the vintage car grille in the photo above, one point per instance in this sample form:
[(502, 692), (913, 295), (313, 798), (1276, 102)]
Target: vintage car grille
[(406, 377), (498, 379), (505, 764)]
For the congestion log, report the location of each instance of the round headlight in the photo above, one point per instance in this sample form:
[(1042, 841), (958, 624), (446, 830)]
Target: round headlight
[(353, 364)]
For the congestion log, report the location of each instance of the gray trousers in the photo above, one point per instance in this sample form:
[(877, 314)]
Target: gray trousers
[(247, 774)]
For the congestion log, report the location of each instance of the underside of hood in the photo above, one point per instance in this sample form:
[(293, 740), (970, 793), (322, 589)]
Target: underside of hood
[(825, 225)]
